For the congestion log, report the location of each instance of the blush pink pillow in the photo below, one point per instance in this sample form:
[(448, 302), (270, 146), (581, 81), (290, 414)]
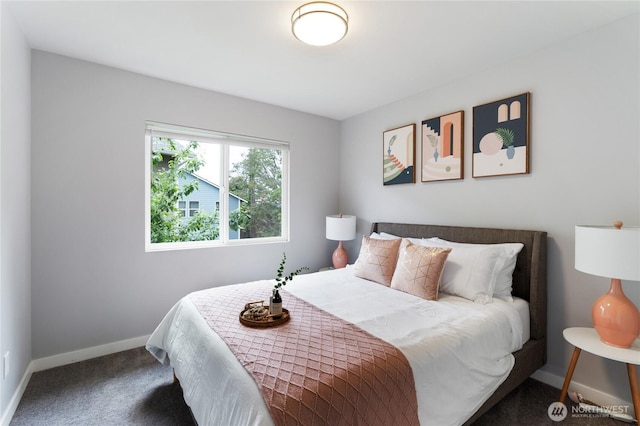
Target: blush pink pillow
[(377, 259), (419, 270)]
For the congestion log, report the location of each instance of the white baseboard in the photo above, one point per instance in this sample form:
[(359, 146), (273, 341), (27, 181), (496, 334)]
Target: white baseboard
[(17, 396), (64, 359), (592, 394), (88, 353)]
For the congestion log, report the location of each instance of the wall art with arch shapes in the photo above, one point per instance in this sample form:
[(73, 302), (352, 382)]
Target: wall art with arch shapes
[(443, 147), (501, 137)]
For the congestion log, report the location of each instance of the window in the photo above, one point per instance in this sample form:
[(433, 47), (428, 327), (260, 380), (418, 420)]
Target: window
[(206, 188), (194, 206)]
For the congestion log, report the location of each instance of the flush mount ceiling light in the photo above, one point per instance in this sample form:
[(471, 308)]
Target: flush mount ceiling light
[(319, 23)]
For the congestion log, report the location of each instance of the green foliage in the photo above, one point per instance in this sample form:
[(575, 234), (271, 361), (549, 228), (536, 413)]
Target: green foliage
[(168, 168), (281, 278), (257, 178), (201, 227), (506, 135), (239, 219)]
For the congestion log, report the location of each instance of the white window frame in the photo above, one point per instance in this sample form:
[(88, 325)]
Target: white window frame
[(225, 139)]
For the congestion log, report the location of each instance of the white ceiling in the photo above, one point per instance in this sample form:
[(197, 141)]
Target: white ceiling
[(393, 49)]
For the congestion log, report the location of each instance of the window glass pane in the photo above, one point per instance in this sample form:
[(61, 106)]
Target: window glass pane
[(194, 206), (255, 186), (184, 170), (206, 186)]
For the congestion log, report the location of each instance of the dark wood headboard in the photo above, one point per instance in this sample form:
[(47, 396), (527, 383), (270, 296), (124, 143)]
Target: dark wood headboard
[(529, 276)]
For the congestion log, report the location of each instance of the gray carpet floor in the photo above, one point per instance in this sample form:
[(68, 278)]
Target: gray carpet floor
[(132, 388)]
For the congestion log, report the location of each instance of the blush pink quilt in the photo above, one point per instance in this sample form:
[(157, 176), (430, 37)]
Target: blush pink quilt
[(317, 369)]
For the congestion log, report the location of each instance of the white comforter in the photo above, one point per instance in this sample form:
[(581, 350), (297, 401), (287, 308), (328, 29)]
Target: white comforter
[(459, 351)]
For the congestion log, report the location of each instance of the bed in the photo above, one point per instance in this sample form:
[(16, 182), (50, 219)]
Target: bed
[(453, 385)]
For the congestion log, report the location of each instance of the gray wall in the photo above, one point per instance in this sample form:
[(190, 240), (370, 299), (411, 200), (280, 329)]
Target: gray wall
[(93, 283), (584, 169), (15, 206)]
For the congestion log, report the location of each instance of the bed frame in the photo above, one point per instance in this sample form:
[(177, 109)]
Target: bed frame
[(529, 283)]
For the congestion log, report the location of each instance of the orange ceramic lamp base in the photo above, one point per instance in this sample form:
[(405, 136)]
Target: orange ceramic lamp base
[(340, 257), (615, 317)]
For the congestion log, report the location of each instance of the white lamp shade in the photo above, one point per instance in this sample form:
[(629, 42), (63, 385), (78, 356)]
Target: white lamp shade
[(341, 228), (608, 252), (319, 23)]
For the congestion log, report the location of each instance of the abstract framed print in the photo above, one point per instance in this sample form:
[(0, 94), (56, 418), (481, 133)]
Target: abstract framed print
[(501, 137), (399, 155), (443, 147)]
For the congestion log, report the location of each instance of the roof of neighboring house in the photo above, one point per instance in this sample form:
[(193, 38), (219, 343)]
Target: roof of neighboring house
[(161, 146), (197, 176)]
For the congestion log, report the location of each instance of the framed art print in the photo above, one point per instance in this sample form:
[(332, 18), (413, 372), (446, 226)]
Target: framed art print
[(501, 137), (443, 147), (399, 155)]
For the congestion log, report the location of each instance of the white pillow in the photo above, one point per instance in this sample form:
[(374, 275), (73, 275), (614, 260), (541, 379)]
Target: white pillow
[(470, 272), (385, 236), (507, 257)]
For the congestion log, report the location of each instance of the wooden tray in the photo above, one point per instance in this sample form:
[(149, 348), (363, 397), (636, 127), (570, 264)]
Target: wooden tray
[(270, 321)]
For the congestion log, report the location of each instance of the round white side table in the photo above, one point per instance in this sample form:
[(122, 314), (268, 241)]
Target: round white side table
[(587, 339)]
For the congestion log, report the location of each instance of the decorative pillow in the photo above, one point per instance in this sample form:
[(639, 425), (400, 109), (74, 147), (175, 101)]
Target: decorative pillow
[(419, 269), (508, 255), (376, 236), (377, 259), (470, 272)]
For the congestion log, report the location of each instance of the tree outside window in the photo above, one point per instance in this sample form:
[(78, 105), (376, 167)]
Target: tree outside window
[(187, 197)]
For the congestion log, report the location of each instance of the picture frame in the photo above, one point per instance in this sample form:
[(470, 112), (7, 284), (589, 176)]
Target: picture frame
[(443, 148), (501, 141), (399, 155)]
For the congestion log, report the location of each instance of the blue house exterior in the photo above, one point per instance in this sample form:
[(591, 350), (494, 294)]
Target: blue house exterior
[(206, 198)]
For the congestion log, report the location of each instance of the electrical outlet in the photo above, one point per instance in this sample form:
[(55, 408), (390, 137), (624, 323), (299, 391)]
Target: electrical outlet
[(5, 366)]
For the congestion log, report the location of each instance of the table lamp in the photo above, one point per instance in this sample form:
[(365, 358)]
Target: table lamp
[(341, 228), (612, 252)]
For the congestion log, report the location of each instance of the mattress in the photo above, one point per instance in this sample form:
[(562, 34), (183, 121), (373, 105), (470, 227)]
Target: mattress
[(459, 351)]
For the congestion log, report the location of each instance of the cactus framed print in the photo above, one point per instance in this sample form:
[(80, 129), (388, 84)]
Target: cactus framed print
[(501, 137), (442, 147), (399, 155)]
